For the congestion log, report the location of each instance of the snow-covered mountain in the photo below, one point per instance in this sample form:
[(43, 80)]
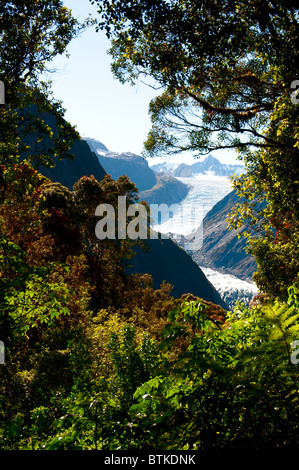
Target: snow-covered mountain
[(154, 187), (163, 167), (96, 146), (221, 254), (210, 165)]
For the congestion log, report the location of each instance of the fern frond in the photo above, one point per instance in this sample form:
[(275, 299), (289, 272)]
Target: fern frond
[(294, 329), (292, 319), (284, 320), (283, 313)]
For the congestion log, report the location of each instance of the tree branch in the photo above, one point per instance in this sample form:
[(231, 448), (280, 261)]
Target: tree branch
[(242, 113)]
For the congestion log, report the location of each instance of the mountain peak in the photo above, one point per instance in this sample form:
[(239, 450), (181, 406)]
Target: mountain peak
[(95, 145), (209, 165), (210, 159)]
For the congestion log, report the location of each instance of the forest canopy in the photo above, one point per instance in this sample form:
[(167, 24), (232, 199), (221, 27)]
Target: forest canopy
[(96, 358)]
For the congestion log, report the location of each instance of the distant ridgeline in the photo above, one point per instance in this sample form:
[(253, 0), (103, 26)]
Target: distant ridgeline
[(209, 165), (154, 188), (165, 261)]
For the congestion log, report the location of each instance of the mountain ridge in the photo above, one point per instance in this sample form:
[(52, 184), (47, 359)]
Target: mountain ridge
[(221, 248), (209, 165), (184, 275), (154, 187), (68, 172), (171, 263)]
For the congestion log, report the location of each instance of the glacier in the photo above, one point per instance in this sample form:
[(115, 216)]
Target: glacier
[(205, 191)]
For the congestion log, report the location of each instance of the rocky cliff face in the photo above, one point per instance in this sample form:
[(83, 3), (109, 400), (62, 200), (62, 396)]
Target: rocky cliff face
[(222, 250), (154, 188), (166, 190), (134, 166)]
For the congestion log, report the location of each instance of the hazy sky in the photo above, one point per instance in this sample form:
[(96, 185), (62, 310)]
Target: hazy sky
[(94, 100)]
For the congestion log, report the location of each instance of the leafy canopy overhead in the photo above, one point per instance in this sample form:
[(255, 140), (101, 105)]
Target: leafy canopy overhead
[(32, 34), (221, 66)]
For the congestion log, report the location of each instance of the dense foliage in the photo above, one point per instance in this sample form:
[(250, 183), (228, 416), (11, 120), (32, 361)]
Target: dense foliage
[(96, 358), (227, 73), (65, 300)]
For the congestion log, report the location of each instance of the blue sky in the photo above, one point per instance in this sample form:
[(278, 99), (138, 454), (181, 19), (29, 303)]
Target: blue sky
[(94, 100)]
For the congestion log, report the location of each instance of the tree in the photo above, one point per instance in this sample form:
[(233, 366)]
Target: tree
[(32, 33), (108, 258), (212, 61), (225, 72)]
